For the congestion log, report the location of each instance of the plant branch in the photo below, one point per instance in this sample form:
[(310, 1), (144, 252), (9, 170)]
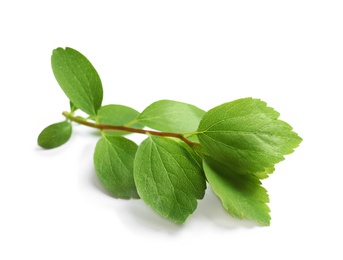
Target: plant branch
[(128, 129)]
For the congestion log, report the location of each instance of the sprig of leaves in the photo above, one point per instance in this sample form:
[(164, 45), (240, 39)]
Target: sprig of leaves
[(231, 147)]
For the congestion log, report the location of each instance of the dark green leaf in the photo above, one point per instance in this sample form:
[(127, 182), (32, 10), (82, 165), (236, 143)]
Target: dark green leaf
[(241, 195), (78, 79), (73, 108), (118, 115), (171, 116), (55, 135), (247, 136), (169, 177), (113, 163)]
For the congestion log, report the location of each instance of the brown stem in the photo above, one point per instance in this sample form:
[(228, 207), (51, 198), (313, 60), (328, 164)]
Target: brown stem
[(128, 129)]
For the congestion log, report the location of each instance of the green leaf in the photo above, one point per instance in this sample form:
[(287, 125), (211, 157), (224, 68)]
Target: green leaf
[(118, 115), (113, 163), (73, 108), (55, 135), (169, 177), (247, 136), (171, 116), (78, 79), (241, 195), (265, 174)]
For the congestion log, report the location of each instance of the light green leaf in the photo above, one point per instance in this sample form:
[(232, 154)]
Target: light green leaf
[(78, 79), (55, 135), (113, 163), (241, 195), (247, 136), (118, 115), (171, 116), (169, 177), (265, 174)]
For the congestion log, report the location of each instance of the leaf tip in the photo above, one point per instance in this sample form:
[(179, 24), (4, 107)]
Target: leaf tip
[(265, 222)]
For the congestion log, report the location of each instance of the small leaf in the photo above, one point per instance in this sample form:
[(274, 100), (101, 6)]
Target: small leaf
[(78, 79), (241, 195), (113, 163), (118, 115), (169, 177), (247, 136), (55, 135), (171, 116), (73, 108)]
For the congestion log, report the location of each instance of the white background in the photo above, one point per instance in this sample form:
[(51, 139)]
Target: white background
[(288, 53)]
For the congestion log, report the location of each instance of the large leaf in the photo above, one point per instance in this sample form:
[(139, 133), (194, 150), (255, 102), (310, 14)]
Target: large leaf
[(113, 163), (169, 177), (55, 135), (118, 115), (171, 116), (78, 79), (247, 136), (241, 195)]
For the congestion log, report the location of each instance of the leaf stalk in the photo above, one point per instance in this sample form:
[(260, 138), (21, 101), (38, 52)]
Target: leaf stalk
[(128, 129)]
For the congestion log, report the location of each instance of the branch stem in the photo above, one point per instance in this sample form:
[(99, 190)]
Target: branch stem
[(128, 129)]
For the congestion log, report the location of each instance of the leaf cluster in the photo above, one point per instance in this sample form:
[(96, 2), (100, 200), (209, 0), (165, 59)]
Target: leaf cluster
[(230, 147)]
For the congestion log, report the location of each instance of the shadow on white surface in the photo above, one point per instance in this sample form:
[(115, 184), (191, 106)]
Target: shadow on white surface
[(210, 212), (140, 216), (135, 214)]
